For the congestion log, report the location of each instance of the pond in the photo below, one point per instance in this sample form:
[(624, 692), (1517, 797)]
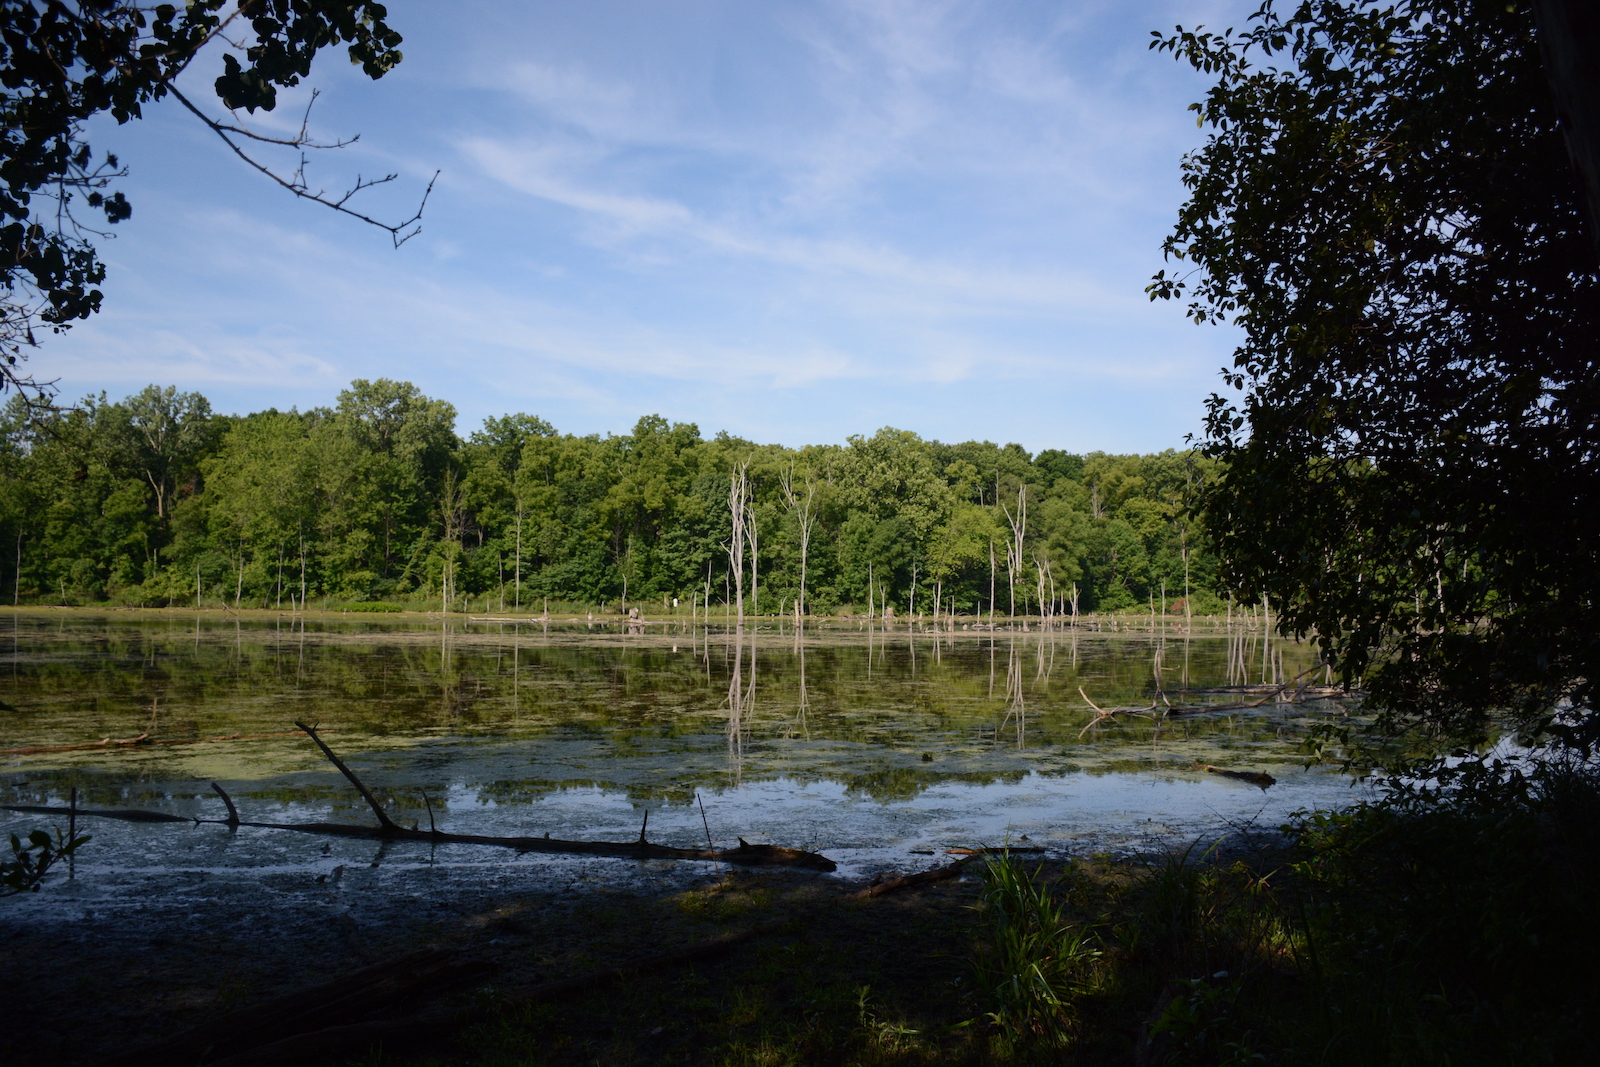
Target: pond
[(877, 747)]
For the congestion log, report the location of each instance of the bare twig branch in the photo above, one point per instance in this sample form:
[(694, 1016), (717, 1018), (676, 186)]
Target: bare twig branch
[(400, 232)]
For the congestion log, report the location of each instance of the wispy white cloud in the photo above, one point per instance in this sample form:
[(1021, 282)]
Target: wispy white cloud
[(814, 213)]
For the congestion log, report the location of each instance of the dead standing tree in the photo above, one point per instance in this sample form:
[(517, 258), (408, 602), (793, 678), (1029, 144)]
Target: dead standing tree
[(738, 511), (1019, 530), (805, 515)]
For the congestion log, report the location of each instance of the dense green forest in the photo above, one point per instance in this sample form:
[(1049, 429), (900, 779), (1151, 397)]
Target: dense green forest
[(154, 498)]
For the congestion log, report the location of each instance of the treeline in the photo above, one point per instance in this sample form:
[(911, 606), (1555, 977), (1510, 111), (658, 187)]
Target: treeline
[(155, 499)]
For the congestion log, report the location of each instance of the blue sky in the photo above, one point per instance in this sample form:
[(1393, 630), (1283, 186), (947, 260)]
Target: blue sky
[(793, 221)]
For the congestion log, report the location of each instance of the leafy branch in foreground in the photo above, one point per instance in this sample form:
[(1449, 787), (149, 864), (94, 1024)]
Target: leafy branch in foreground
[(31, 860), (62, 63), (1409, 459)]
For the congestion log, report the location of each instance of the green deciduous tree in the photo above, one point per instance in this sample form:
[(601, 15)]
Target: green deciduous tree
[(1411, 459)]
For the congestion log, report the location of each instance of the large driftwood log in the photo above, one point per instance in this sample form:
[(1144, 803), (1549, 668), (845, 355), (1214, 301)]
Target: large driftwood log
[(1256, 778), (746, 855), (124, 814)]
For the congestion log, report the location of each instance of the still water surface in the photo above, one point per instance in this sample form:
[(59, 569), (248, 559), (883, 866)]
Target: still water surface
[(868, 745)]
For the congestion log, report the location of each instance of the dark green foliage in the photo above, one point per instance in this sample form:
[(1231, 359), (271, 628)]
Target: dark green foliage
[(1387, 209), (31, 860), (154, 500), (1039, 959)]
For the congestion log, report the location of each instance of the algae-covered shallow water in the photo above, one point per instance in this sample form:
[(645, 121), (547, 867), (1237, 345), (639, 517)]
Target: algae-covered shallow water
[(872, 746)]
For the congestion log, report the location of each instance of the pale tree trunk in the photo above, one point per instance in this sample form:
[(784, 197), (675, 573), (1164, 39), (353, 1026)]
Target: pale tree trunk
[(518, 594), (754, 533), (1039, 567), (991, 582), (1019, 531), (803, 512), (738, 499)]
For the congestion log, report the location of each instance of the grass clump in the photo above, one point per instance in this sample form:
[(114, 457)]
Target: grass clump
[(1035, 963)]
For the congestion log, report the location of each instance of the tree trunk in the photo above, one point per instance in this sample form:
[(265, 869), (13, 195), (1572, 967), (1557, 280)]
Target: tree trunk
[(1569, 41)]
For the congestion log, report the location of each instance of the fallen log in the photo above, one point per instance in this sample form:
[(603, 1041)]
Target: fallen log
[(1257, 778), (746, 855), (1277, 690), (938, 874), (125, 814), (1103, 715)]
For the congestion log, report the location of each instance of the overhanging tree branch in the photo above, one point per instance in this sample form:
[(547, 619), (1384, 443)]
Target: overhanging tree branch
[(400, 232)]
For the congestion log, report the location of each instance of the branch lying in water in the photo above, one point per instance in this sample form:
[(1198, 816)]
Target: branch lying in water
[(746, 855)]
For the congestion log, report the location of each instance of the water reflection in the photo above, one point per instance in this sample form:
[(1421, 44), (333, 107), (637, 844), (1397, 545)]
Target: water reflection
[(485, 717)]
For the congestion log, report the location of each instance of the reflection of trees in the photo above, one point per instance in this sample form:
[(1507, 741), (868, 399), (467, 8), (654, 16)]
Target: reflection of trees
[(1016, 704), (800, 727), (908, 783), (741, 701), (617, 705)]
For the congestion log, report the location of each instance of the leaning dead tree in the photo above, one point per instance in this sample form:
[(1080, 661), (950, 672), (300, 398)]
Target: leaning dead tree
[(746, 855)]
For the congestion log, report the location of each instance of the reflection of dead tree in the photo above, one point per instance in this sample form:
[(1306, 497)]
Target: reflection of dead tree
[(1016, 706), (387, 830), (741, 701), (800, 659)]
